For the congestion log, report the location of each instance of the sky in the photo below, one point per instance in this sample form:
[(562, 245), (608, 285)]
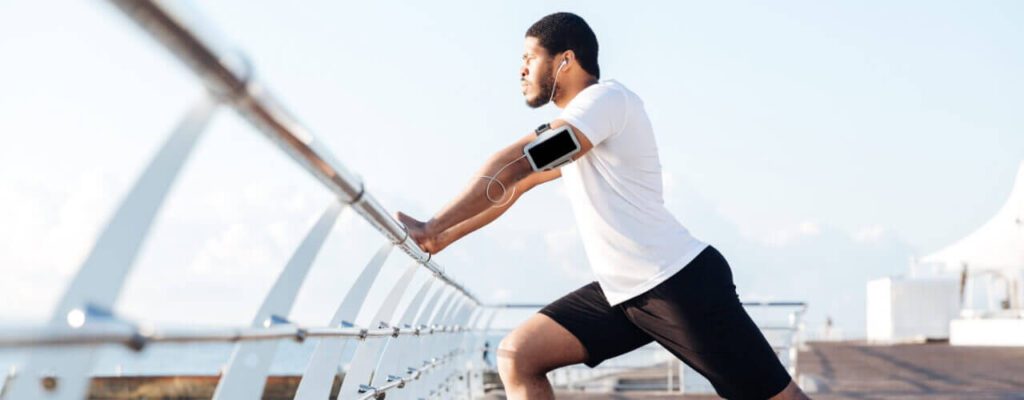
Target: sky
[(817, 144)]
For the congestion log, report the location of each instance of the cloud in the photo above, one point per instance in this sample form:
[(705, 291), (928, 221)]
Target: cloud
[(870, 234), (47, 233), (808, 228), (502, 295), (238, 249), (788, 235)]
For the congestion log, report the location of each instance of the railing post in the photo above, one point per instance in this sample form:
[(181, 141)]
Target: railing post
[(424, 319), (454, 369), (444, 342), (247, 370), (668, 374), (410, 348), (368, 351), (99, 280), (323, 365), (466, 340), (429, 346), (458, 366), (484, 324), (397, 348)]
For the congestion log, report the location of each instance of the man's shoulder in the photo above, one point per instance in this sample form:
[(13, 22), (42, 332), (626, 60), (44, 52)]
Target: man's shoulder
[(609, 85), (607, 90)]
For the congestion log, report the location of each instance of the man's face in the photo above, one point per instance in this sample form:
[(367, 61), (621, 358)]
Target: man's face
[(535, 75)]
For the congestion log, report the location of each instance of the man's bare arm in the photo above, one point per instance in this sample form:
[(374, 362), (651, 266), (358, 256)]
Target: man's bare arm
[(507, 166), (480, 220)]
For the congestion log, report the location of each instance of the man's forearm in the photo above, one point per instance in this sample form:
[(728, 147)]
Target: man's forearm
[(475, 198), (473, 208), (453, 234)]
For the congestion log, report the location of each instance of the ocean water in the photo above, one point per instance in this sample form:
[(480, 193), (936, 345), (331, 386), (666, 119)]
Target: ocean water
[(191, 358)]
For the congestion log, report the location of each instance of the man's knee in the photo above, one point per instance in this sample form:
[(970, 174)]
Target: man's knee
[(535, 348), (514, 361)]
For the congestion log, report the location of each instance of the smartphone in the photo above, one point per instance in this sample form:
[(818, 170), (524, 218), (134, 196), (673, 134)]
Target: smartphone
[(552, 148)]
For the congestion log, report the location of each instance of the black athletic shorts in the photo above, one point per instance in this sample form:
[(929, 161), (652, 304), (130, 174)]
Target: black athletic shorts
[(695, 314)]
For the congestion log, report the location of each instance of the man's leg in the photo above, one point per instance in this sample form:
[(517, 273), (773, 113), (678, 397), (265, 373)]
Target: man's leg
[(578, 328), (533, 349), (697, 316)]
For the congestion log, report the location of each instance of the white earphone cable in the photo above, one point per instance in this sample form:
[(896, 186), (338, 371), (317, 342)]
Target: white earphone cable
[(501, 201), (554, 84)]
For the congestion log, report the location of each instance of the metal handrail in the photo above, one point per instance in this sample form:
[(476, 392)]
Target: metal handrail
[(232, 81), (138, 338)]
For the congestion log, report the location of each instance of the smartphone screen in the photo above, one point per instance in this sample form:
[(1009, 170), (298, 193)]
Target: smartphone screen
[(552, 149)]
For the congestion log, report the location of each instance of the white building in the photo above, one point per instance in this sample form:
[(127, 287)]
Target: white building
[(988, 264)]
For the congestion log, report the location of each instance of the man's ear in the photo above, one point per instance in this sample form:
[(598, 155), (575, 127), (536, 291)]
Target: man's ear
[(569, 57)]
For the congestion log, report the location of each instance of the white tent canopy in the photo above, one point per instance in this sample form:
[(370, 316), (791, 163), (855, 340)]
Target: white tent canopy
[(996, 245)]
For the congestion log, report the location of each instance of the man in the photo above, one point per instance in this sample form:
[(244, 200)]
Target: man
[(655, 282)]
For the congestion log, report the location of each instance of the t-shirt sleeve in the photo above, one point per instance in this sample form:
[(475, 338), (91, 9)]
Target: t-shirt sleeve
[(599, 112)]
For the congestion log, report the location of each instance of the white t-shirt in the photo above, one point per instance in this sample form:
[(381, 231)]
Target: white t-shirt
[(632, 241)]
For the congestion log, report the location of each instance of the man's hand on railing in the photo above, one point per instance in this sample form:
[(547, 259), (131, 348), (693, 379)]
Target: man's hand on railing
[(428, 240)]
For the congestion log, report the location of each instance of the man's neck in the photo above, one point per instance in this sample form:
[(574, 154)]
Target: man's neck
[(565, 92)]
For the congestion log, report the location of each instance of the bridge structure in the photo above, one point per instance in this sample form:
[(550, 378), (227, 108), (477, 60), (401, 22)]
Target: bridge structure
[(430, 348)]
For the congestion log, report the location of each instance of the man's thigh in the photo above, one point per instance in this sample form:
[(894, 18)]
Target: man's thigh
[(584, 318), (541, 344), (697, 316)]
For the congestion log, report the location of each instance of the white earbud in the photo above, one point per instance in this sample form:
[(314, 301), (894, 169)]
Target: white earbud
[(565, 61)]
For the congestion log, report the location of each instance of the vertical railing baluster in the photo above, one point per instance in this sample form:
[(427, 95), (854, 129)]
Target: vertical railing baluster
[(388, 364), (423, 319), (479, 361), (438, 344), (469, 358), (426, 344), (330, 352), (451, 340), (453, 343), (453, 373), (458, 364), (249, 365), (484, 329), (367, 352), (97, 284)]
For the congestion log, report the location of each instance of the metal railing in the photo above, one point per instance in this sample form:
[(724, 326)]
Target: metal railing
[(440, 326)]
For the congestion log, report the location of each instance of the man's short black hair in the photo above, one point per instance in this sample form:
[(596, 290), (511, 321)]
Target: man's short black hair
[(563, 31)]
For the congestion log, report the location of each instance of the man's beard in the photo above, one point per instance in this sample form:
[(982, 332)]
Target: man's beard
[(546, 84)]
